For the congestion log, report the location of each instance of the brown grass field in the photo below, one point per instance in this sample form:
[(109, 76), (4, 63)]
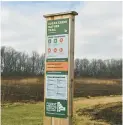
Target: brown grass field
[(26, 89), (96, 101)]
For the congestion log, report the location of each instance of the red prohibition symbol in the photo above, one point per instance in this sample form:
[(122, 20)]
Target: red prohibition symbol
[(61, 40), (55, 50), (49, 50), (61, 49)]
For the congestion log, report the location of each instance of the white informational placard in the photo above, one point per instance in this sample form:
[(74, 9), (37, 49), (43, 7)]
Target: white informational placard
[(57, 46), (56, 87)]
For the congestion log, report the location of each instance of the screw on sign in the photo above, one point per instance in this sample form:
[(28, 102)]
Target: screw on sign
[(61, 49), (55, 50), (61, 40), (49, 50)]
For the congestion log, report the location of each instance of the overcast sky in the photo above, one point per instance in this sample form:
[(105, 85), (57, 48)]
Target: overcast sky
[(98, 32)]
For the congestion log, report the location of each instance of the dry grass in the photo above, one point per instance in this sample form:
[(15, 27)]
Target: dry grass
[(26, 89), (96, 101), (98, 81), (110, 113), (98, 111), (88, 109), (22, 80), (40, 80)]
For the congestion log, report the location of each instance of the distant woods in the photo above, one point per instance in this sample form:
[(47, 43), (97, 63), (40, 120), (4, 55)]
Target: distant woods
[(14, 63)]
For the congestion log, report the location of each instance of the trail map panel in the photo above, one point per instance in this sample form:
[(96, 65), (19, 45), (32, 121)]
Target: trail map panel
[(56, 87)]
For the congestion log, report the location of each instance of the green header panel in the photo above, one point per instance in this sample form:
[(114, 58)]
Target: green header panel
[(59, 26)]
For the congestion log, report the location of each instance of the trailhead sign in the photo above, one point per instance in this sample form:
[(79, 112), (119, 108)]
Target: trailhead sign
[(57, 68)]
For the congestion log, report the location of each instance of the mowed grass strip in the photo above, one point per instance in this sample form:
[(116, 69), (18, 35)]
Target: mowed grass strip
[(22, 114), (84, 112)]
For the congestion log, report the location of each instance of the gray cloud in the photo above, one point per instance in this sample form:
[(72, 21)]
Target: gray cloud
[(98, 30)]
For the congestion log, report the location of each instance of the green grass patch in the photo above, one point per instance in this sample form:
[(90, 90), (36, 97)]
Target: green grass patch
[(22, 114), (84, 113)]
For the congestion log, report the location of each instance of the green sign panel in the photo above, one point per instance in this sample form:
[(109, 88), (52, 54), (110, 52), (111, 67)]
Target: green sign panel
[(60, 26), (56, 108)]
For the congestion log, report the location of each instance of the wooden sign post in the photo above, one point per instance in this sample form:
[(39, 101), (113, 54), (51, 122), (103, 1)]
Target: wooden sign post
[(59, 68)]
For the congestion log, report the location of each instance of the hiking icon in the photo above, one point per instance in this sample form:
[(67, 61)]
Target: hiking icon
[(60, 107)]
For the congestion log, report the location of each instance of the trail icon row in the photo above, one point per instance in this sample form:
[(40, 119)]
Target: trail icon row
[(55, 50)]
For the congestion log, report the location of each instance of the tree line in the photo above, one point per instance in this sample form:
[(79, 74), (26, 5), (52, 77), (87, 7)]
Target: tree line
[(15, 63)]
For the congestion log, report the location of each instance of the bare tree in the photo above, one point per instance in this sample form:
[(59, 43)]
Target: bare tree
[(19, 63)]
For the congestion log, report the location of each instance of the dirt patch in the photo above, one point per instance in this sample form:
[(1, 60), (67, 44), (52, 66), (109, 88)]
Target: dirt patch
[(111, 112)]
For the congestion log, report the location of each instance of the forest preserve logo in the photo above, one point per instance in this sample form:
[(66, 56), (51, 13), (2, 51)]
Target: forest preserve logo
[(54, 107)]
